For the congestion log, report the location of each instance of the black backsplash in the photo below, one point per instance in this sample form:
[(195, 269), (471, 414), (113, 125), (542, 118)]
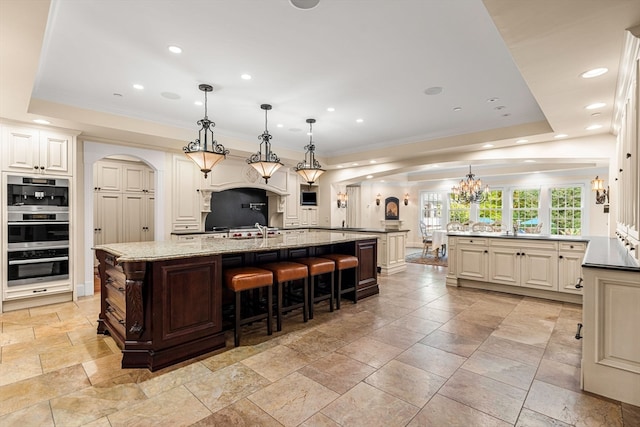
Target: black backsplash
[(239, 207)]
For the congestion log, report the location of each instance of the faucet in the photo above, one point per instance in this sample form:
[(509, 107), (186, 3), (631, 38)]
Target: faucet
[(262, 229), (516, 227)]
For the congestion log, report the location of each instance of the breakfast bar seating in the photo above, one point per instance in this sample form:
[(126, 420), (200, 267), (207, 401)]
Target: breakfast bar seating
[(246, 279), (317, 267), (285, 273), (345, 262)]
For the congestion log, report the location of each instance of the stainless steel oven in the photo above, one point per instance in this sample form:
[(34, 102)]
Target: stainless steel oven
[(37, 265), (37, 230)]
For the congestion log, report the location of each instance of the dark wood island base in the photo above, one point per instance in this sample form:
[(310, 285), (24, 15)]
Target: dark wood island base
[(164, 309)]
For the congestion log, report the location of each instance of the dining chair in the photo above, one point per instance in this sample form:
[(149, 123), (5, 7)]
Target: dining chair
[(427, 239)]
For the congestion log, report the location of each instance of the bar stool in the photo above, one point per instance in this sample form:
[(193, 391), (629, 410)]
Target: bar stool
[(244, 279), (283, 272), (345, 262), (318, 266)]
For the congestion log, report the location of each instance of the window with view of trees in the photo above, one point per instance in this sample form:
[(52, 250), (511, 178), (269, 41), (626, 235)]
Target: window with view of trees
[(458, 211), (490, 211), (566, 210), (525, 209), (432, 210)]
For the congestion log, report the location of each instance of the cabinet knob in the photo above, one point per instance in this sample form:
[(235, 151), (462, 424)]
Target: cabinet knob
[(35, 167), (41, 167), (560, 257), (517, 253), (571, 246), (522, 254), (486, 251)]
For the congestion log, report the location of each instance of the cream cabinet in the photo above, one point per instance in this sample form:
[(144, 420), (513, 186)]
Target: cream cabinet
[(107, 218), (611, 342), (138, 179), (292, 201), (570, 256), (107, 176), (309, 216), (138, 212), (472, 258), (531, 264), (28, 150), (185, 191)]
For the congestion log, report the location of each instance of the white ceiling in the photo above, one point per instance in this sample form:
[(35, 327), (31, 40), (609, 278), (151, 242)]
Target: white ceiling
[(370, 59)]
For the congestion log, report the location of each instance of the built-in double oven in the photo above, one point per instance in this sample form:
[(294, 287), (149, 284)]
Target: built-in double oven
[(37, 230)]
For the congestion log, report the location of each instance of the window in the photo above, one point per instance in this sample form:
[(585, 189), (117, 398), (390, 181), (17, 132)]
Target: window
[(566, 211), (526, 204), (458, 211), (432, 210), (490, 211)]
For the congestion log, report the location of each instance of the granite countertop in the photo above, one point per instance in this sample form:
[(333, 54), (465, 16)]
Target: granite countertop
[(163, 250), (610, 254), (361, 230)]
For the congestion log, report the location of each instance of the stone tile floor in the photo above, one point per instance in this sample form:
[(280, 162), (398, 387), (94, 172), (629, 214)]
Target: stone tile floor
[(418, 354)]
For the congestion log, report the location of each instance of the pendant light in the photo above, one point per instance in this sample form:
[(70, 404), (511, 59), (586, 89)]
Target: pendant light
[(269, 163), (469, 190), (205, 151), (310, 169)]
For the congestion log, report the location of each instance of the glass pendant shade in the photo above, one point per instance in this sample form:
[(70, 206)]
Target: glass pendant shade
[(469, 190), (205, 151), (266, 163), (310, 169)]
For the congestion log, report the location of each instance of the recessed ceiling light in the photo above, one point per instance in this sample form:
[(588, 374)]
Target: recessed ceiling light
[(138, 87), (435, 166), (561, 135), (595, 105), (594, 73), (359, 120), (457, 108), (331, 109), (304, 4), (340, 166), (499, 107), (382, 180), (245, 77), (506, 114), (433, 90), (369, 176), (372, 161), (175, 49), (529, 161), (42, 121), (492, 99), (593, 127), (279, 125), (522, 141), (170, 95), (198, 103), (354, 164), (487, 146)]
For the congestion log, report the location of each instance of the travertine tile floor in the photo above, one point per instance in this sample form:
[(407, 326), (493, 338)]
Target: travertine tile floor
[(419, 354)]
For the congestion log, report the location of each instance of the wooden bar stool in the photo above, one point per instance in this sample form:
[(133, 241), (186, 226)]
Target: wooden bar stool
[(318, 266), (284, 272), (345, 262), (244, 279)]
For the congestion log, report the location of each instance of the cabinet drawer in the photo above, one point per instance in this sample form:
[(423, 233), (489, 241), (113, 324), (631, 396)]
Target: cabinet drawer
[(525, 244), (116, 296), (573, 246), (472, 241), (189, 238), (116, 319), (185, 227)]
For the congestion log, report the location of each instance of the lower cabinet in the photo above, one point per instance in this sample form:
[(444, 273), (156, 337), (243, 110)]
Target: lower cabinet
[(570, 256), (611, 343), (367, 251), (309, 217), (528, 264), (473, 261)]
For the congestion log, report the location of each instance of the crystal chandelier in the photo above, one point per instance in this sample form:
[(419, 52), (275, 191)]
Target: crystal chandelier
[(310, 169), (269, 163), (203, 154), (469, 190)]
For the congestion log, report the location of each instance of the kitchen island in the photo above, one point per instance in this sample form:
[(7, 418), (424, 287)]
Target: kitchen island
[(162, 301)]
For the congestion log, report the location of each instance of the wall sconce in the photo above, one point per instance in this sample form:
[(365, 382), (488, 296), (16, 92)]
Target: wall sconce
[(342, 200), (602, 194), (378, 197), (406, 199)]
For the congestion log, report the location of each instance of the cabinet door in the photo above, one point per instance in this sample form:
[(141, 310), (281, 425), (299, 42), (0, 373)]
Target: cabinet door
[(135, 178), (539, 269), (367, 253), (54, 153), (108, 176), (134, 213), (292, 203), (150, 218), (151, 180), (504, 266), (313, 217), (108, 214), (185, 194), (20, 148), (569, 271), (472, 262)]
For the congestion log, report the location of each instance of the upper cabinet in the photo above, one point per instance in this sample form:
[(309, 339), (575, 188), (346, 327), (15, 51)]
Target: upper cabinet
[(28, 150), (186, 198), (138, 179)]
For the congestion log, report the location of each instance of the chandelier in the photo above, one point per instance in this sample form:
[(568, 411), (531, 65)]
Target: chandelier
[(310, 169), (204, 154), (469, 190), (268, 163)]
